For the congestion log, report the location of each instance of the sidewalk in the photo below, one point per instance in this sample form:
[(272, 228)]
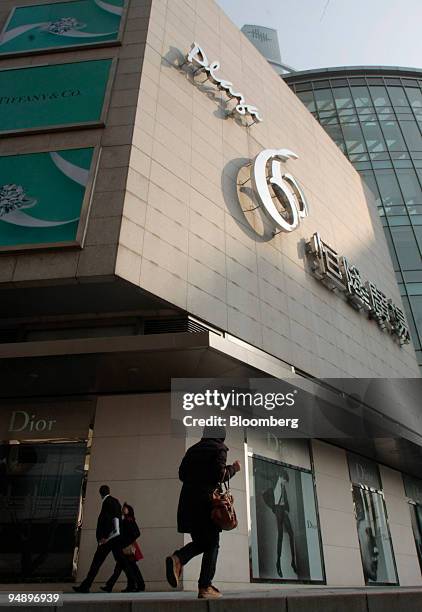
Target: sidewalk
[(396, 599)]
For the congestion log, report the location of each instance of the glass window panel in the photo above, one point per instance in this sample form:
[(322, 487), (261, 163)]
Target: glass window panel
[(396, 211), (415, 97), (414, 276), (410, 186), (380, 96), (369, 178), (361, 165), (393, 221), (416, 519), (418, 234), (307, 97), (411, 321), (40, 509), (392, 135), (342, 97), (407, 249), (285, 535), (397, 96), (379, 165), (324, 99), (416, 219), (412, 135), (402, 163), (373, 136), (416, 305), (349, 119), (353, 138), (339, 83), (361, 97), (391, 248), (374, 537), (321, 84), (337, 135), (389, 187), (303, 86), (410, 82), (414, 288)]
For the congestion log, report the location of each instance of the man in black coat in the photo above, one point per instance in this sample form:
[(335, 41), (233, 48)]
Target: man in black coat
[(108, 538), (203, 467)]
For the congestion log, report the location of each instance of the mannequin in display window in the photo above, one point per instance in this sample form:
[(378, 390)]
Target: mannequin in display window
[(275, 497)]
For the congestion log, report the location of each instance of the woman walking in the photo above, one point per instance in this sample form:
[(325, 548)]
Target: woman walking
[(203, 467), (129, 534)]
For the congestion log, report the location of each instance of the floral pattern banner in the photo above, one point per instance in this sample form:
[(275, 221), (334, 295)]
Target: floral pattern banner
[(42, 197), (63, 24)]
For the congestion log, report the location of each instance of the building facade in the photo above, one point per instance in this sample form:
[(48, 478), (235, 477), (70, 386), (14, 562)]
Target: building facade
[(142, 241), (374, 115)]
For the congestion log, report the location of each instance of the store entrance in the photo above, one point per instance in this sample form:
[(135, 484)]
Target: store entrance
[(40, 493), (44, 458)]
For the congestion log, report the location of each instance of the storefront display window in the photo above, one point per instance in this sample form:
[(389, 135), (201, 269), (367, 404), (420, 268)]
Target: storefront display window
[(44, 457), (285, 534), (372, 524), (413, 489)]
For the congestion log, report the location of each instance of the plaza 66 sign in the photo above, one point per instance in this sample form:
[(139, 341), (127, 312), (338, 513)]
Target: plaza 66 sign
[(275, 191)]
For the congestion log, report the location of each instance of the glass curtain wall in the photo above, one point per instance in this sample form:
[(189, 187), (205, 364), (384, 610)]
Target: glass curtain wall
[(377, 121)]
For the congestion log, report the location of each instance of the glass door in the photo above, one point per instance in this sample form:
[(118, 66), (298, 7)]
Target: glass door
[(40, 498)]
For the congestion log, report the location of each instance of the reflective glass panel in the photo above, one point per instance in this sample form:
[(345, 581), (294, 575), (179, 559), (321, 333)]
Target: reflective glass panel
[(412, 135), (41, 494), (397, 96), (393, 136), (361, 97), (353, 138), (285, 535), (324, 99), (415, 97), (342, 97), (410, 186), (307, 97), (416, 305), (373, 136), (389, 187), (406, 247), (380, 96)]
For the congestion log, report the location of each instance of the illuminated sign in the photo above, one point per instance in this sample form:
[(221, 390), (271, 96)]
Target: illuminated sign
[(44, 198), (196, 56), (46, 27), (338, 274), (53, 97)]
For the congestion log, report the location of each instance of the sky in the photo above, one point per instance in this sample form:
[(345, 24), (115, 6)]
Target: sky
[(323, 33)]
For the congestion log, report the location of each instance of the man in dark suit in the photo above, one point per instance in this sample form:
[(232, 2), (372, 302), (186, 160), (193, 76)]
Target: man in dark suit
[(108, 538)]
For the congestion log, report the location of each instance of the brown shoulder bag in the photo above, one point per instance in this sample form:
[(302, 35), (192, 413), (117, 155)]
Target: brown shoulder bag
[(223, 513)]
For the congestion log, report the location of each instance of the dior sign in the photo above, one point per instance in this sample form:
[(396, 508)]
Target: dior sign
[(197, 57), (21, 420)]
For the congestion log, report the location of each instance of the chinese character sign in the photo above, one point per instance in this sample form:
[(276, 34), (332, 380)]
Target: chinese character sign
[(338, 274)]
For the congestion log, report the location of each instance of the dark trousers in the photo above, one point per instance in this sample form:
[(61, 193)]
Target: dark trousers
[(206, 541), (139, 583), (103, 550)]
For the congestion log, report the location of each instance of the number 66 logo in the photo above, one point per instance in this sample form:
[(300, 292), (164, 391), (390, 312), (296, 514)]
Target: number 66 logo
[(271, 184)]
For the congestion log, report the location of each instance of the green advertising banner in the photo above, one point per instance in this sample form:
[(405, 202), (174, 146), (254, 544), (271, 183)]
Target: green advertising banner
[(65, 24), (44, 198), (49, 97)]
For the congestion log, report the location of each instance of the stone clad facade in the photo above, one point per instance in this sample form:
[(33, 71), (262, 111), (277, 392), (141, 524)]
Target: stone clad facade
[(169, 235)]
